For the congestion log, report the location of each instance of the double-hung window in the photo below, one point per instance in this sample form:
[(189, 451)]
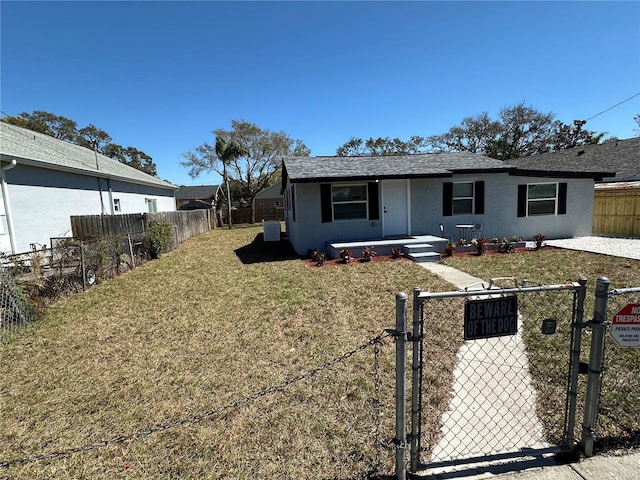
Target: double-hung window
[(349, 201), (462, 201), (462, 198), (542, 199), (356, 201)]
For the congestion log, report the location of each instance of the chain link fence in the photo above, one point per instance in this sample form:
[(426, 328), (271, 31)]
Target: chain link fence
[(368, 430), (39, 277), (14, 305)]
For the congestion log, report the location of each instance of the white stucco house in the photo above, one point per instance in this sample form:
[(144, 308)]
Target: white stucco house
[(351, 199), (46, 180)]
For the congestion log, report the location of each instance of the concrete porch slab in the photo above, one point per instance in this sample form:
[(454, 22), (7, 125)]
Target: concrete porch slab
[(384, 246)]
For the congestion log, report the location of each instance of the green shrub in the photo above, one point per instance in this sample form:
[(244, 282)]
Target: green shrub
[(160, 238)]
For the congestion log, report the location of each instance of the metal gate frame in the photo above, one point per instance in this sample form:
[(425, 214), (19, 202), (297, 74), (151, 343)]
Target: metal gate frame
[(416, 337), (599, 326)]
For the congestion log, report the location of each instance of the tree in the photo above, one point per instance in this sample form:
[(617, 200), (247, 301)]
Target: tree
[(89, 137), (257, 166), (520, 131), (474, 134), (131, 156), (637, 120), (381, 146), (570, 136), (524, 131), (47, 123), (227, 153), (94, 138)]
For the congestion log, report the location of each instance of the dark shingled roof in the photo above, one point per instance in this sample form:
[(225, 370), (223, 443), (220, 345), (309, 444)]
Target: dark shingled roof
[(197, 192), (196, 205), (301, 169), (619, 157), (324, 169)]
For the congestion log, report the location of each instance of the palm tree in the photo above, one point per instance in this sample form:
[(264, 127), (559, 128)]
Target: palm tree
[(227, 152)]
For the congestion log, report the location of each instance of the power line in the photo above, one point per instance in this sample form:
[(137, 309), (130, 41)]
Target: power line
[(610, 108)]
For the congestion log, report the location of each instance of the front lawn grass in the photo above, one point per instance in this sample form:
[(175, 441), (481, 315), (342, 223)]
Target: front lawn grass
[(619, 413), (208, 325)]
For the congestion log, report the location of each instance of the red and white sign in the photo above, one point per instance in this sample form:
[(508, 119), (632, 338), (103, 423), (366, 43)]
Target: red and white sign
[(625, 326)]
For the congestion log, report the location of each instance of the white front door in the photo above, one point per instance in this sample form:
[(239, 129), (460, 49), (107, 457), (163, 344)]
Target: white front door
[(395, 211)]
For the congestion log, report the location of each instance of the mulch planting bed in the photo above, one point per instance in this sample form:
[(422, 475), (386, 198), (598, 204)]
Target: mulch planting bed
[(333, 262), (336, 262)]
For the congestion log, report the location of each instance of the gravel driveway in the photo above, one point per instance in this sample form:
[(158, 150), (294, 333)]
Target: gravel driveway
[(617, 247)]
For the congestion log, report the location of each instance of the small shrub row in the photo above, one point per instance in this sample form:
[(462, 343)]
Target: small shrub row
[(368, 253)]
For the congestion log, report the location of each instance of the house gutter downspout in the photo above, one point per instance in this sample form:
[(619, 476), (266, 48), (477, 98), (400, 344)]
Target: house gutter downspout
[(110, 196), (7, 204)]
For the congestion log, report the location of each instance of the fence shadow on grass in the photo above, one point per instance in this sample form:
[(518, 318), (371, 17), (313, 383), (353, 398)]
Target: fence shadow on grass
[(259, 251)]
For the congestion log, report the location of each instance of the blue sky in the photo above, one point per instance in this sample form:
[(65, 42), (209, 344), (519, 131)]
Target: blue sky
[(160, 76)]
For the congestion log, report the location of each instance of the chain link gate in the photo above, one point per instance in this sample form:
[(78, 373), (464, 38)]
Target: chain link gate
[(491, 414)]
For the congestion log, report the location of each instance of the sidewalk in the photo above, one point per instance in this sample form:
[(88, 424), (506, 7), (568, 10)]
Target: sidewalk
[(625, 467)]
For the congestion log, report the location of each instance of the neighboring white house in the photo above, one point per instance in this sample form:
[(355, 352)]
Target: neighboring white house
[(46, 180), (347, 199)]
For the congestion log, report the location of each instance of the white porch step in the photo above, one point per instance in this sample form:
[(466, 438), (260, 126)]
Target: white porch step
[(421, 252), (418, 247), (424, 257)]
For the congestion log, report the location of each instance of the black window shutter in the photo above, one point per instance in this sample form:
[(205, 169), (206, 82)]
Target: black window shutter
[(374, 204), (479, 194), (447, 199), (522, 200), (325, 203), (562, 198)]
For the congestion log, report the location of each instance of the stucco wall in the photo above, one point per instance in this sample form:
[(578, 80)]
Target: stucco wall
[(308, 231), (43, 200), (425, 203), (500, 217)]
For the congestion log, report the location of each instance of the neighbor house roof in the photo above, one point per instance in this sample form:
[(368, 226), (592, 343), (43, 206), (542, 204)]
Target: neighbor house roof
[(31, 148), (196, 205), (197, 192), (270, 192), (620, 157), (319, 169)]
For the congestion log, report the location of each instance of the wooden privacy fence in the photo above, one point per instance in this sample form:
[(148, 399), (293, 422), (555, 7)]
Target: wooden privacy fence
[(243, 215), (617, 211), (188, 223)]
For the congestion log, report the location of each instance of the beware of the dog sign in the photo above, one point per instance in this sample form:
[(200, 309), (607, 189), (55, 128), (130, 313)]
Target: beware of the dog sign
[(493, 317)]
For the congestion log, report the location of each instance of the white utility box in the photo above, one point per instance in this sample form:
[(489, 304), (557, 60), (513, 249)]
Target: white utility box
[(271, 230)]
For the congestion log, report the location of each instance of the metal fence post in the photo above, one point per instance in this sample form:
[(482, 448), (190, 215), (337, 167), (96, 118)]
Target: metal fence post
[(416, 381), (591, 401), (133, 260), (575, 361), (401, 385), (82, 267)]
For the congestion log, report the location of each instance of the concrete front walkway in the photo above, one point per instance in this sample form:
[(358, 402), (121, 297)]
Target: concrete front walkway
[(493, 409)]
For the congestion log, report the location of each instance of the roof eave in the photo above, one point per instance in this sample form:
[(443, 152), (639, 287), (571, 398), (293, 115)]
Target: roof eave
[(521, 172), (79, 171)]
